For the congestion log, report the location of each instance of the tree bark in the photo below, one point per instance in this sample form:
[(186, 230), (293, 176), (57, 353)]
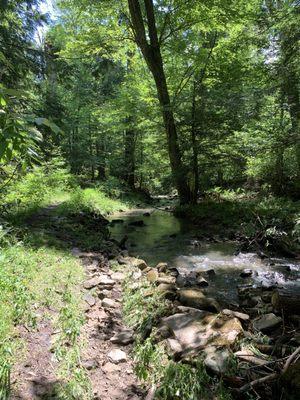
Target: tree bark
[(152, 54), (129, 156)]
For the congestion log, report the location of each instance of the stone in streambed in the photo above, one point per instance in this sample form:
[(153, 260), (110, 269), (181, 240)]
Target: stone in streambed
[(152, 275), (202, 282), (196, 332), (195, 298), (133, 261), (246, 273), (162, 267), (166, 280), (117, 356), (267, 322)]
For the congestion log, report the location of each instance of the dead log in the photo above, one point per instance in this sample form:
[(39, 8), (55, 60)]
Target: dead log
[(286, 301)]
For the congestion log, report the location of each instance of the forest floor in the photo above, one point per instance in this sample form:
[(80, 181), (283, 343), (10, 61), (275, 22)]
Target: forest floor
[(103, 368)]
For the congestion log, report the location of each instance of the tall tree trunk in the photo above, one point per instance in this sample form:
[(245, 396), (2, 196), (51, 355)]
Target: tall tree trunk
[(129, 156), (289, 44), (152, 55), (195, 189), (100, 161)]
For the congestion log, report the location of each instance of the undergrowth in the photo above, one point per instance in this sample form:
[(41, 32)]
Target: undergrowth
[(143, 307)]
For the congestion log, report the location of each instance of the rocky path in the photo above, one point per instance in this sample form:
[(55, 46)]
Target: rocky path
[(106, 356), (107, 342)]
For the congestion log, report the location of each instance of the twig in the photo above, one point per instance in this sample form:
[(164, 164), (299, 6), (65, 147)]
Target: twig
[(290, 359), (256, 382)]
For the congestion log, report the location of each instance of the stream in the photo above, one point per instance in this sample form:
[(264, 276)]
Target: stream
[(166, 238)]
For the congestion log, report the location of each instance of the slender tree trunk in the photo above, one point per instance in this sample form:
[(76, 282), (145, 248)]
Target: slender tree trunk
[(129, 156), (195, 191), (100, 161), (152, 55), (290, 42)]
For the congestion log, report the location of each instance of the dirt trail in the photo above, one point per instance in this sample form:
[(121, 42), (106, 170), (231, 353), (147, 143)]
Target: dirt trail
[(34, 377), (109, 365), (107, 362)]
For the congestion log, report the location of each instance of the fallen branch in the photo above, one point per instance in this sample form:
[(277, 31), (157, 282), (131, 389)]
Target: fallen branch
[(290, 360), (256, 382), (270, 377)]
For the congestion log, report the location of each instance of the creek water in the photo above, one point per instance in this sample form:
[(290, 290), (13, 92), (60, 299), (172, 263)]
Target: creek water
[(166, 238)]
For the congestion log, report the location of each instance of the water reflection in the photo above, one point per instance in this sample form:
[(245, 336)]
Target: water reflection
[(165, 238)]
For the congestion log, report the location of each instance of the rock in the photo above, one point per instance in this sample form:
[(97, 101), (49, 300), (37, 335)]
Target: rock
[(137, 263), (90, 364), (89, 299), (173, 346), (123, 337), (166, 279), (196, 332), (104, 293), (266, 322), (249, 356), (202, 282), (91, 283), (163, 332), (106, 281), (195, 243), (166, 287), (216, 360), (246, 273), (118, 276), (195, 298), (152, 275), (108, 303), (137, 223), (173, 271), (162, 267), (239, 315), (117, 356)]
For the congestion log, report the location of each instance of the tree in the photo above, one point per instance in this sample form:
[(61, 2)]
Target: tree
[(152, 54)]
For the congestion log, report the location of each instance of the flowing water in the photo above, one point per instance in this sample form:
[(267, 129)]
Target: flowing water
[(166, 238)]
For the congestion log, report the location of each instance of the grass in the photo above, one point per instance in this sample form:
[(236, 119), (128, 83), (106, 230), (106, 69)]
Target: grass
[(38, 273), (32, 281)]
